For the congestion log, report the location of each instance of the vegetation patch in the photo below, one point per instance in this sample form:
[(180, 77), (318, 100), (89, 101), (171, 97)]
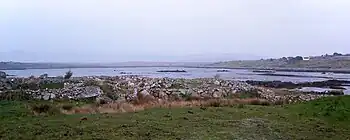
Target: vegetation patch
[(44, 109), (334, 108), (52, 85), (320, 119)]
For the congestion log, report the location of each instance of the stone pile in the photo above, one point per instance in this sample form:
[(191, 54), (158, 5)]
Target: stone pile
[(292, 97), (169, 89), (129, 87), (166, 88), (66, 93)]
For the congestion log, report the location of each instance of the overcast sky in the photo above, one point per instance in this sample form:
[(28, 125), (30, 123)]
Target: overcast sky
[(170, 30)]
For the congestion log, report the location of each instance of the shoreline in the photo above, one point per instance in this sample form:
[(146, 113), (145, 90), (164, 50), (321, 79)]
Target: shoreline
[(338, 71)]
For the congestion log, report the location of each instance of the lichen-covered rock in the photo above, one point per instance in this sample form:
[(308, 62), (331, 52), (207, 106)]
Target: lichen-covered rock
[(103, 100), (2, 74)]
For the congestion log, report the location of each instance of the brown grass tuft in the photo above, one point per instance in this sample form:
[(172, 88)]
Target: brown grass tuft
[(44, 109), (144, 103)]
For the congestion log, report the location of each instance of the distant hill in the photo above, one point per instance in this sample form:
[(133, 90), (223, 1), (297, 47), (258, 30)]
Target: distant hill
[(217, 57), (120, 57), (21, 66), (316, 62)]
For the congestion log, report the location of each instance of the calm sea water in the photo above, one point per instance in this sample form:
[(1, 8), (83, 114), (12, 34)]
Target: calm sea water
[(235, 74)]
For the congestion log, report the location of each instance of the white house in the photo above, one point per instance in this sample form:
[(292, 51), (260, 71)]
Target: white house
[(306, 58)]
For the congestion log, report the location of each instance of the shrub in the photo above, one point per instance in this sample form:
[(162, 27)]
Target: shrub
[(212, 103), (241, 106), (337, 54), (67, 106), (43, 76), (68, 74), (44, 108), (32, 77), (280, 102), (260, 102), (298, 58)]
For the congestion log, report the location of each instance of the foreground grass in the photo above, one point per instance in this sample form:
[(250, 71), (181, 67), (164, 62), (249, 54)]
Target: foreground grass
[(326, 118)]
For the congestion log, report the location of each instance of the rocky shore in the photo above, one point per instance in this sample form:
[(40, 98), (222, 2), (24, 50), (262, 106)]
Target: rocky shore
[(332, 84), (130, 88)]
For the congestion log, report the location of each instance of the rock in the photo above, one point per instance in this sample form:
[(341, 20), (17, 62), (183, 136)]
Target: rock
[(130, 84), (44, 76), (293, 97), (195, 95), (3, 74), (217, 94), (217, 82), (291, 85), (162, 95), (103, 100), (144, 93)]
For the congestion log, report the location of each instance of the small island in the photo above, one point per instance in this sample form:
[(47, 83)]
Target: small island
[(222, 71), (175, 71)]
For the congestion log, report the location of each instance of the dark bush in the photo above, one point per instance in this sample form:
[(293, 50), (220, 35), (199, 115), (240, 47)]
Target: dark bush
[(215, 103), (43, 76), (260, 102), (280, 102), (67, 106), (337, 54), (44, 108), (68, 74)]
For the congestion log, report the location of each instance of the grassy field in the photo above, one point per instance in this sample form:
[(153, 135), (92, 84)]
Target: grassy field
[(326, 118)]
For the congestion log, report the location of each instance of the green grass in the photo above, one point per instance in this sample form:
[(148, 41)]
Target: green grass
[(326, 118), (52, 86)]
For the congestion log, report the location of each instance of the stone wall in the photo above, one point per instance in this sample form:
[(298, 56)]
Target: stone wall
[(70, 93)]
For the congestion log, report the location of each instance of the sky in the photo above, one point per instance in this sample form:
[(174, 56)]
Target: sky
[(170, 30)]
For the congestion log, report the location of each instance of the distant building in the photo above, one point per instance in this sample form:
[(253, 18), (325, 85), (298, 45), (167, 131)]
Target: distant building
[(306, 58)]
